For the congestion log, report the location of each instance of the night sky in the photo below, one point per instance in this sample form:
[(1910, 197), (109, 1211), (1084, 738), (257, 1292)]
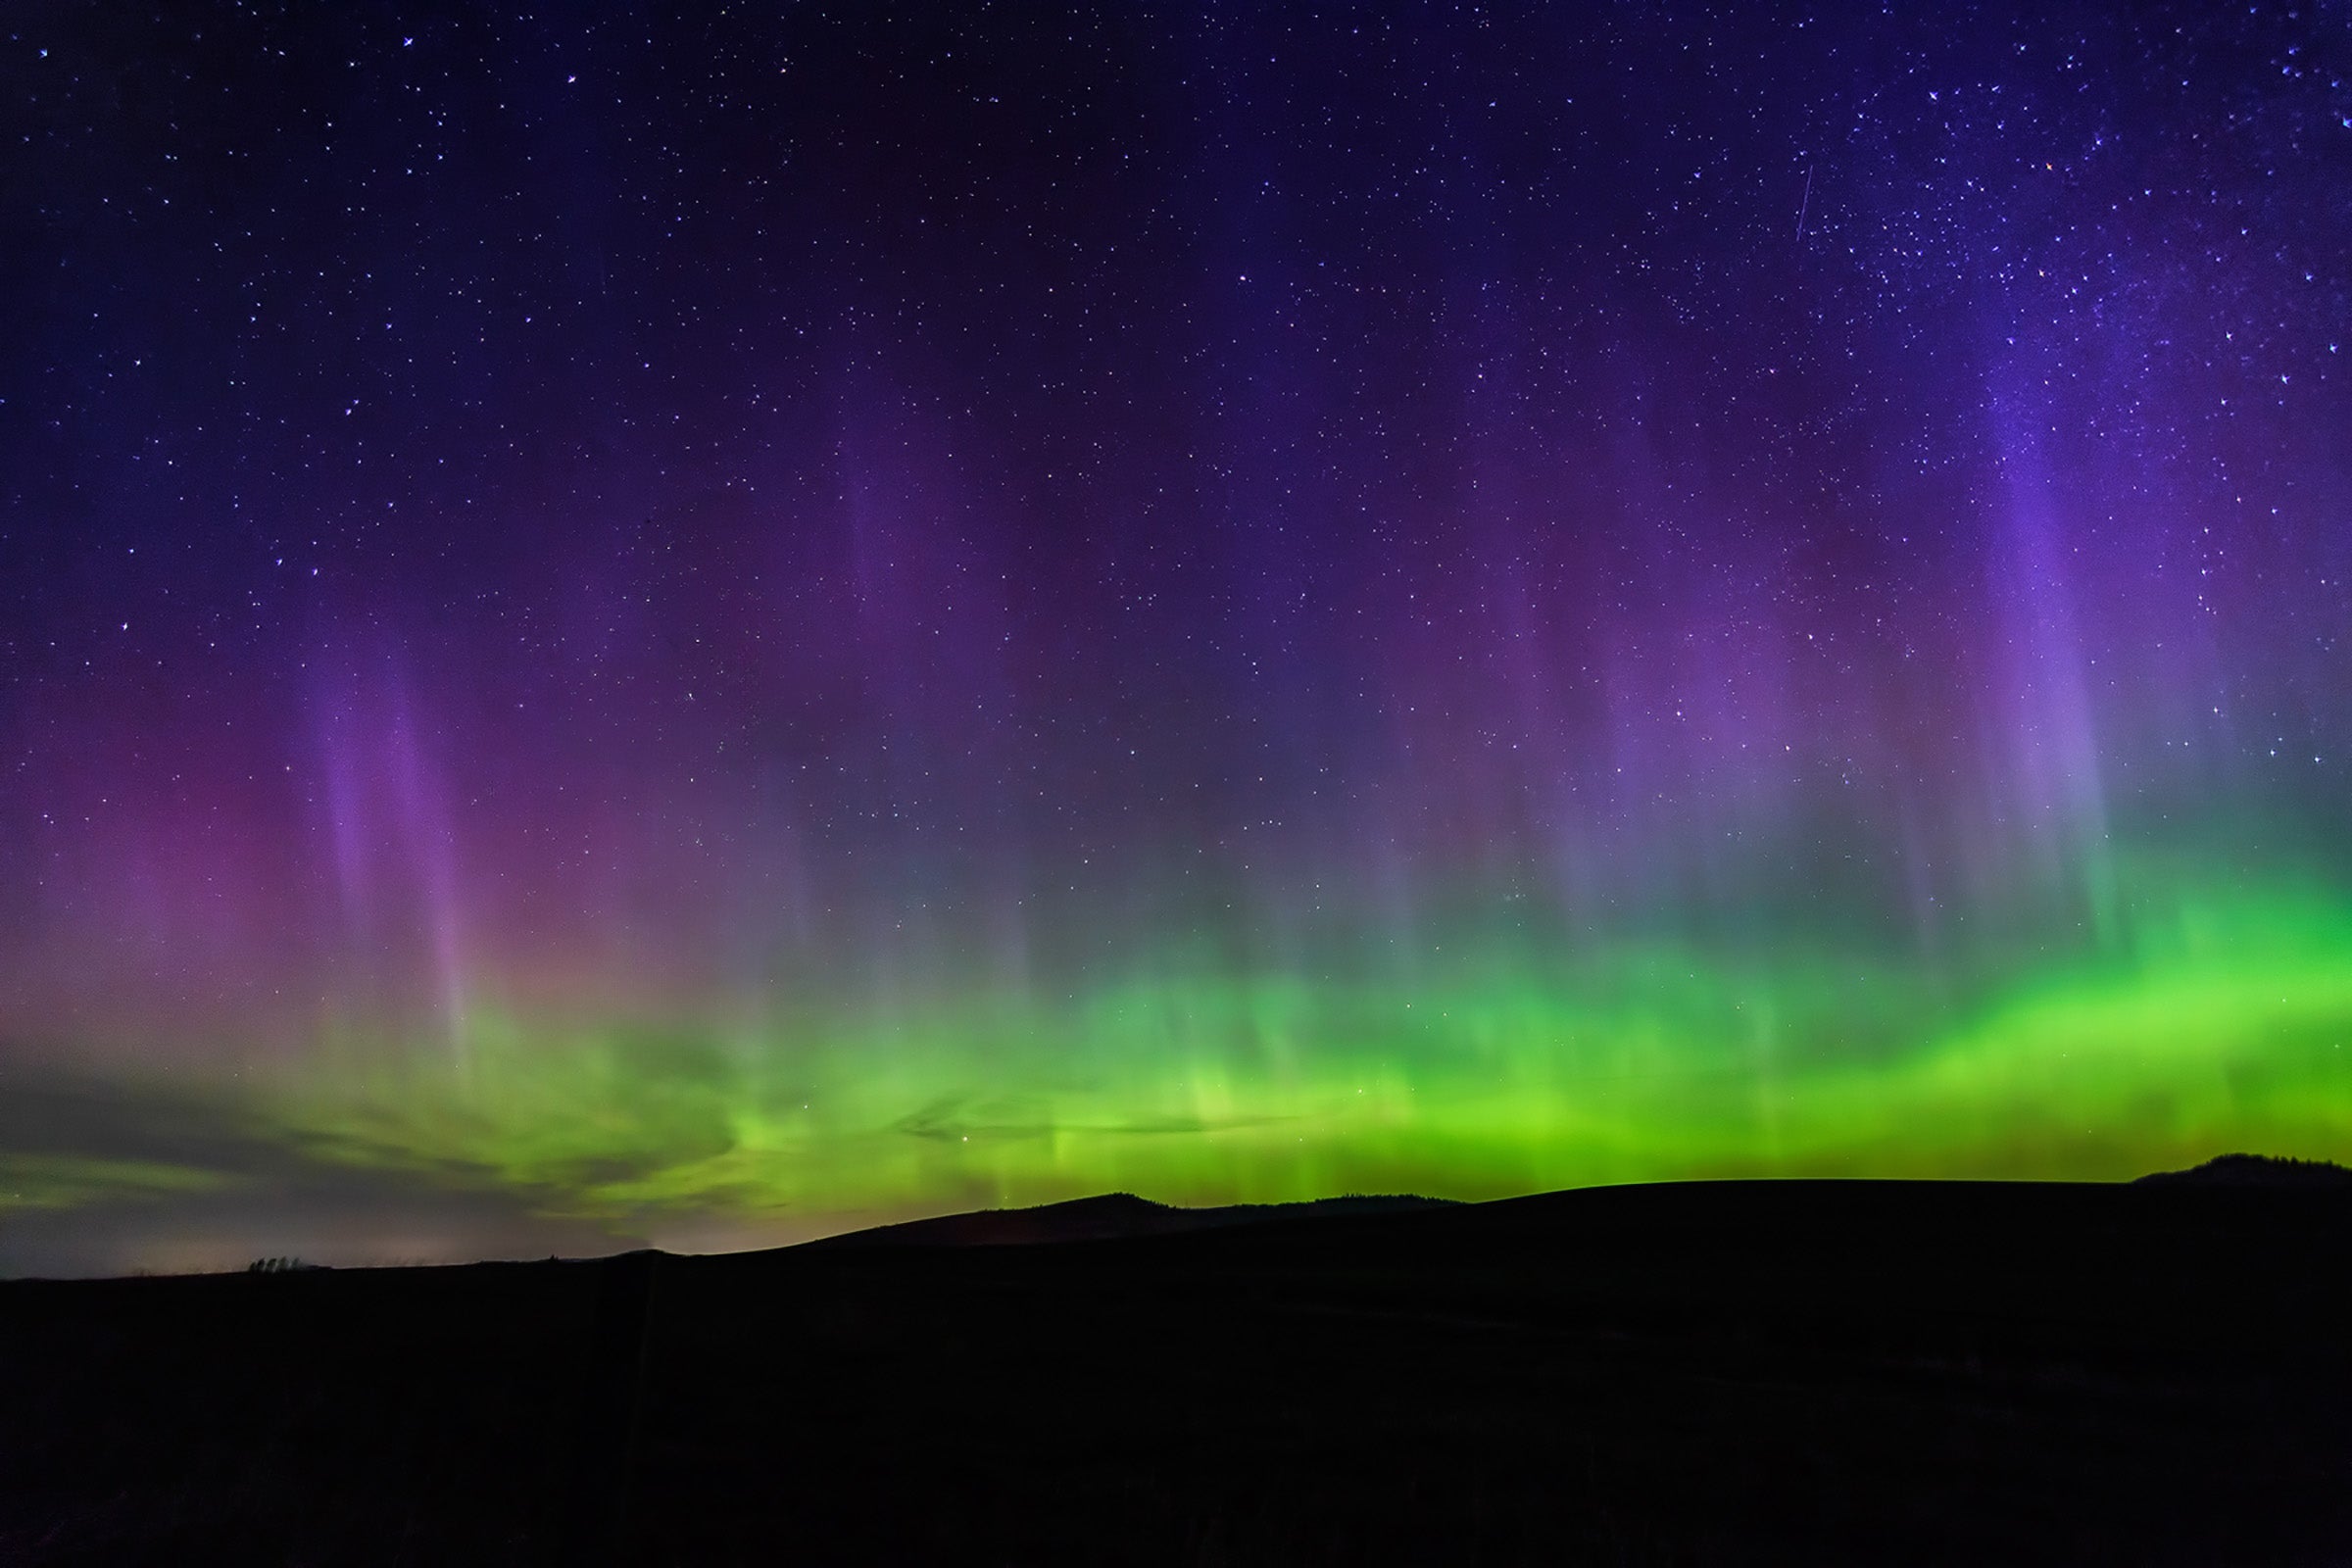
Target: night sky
[(699, 628)]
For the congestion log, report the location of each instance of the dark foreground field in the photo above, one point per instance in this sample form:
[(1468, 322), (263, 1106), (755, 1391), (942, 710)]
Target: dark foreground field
[(1797, 1372)]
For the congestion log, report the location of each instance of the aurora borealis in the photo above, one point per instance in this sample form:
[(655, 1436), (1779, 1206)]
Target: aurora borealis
[(701, 628)]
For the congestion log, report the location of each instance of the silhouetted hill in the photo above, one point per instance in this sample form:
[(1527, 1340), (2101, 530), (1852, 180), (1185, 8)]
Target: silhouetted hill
[(2256, 1170), (1108, 1218), (1697, 1373)]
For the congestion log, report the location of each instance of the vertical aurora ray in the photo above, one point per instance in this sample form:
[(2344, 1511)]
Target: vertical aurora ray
[(394, 855), (1395, 628)]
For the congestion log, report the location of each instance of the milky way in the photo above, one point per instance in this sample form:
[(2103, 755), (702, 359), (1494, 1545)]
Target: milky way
[(702, 629)]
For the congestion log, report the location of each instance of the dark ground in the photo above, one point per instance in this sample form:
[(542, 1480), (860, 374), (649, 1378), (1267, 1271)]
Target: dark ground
[(1798, 1372)]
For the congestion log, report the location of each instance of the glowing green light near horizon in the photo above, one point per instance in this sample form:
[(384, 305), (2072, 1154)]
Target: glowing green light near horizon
[(2219, 1020)]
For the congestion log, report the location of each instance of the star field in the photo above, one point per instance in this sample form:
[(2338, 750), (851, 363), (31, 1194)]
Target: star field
[(706, 627)]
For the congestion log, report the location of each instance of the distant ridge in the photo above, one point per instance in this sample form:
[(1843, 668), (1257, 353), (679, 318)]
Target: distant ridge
[(2254, 1170), (1108, 1218)]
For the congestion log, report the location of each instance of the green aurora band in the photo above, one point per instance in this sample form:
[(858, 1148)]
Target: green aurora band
[(2218, 1020)]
